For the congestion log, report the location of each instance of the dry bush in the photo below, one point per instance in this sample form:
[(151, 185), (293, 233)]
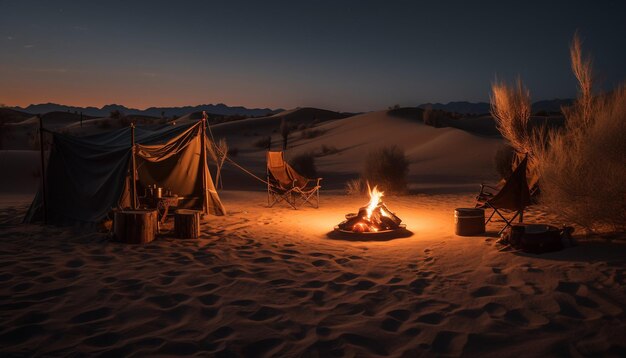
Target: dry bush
[(221, 153), (583, 172), (388, 168), (305, 165), (434, 117), (355, 187), (511, 109), (582, 167)]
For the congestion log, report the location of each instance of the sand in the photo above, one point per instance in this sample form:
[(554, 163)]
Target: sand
[(270, 282)]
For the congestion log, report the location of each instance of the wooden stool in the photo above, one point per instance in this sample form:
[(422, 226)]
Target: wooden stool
[(187, 224), (135, 226)]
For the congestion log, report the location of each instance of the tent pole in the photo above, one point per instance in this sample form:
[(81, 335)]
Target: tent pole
[(204, 164), (43, 171), (133, 175)]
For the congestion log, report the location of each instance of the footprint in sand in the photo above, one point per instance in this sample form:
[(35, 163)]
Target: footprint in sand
[(222, 332), (495, 310), (486, 291), (400, 314), (265, 313), (449, 343), (23, 286), (262, 348), (431, 318), (92, 315), (345, 277), (75, 263), (264, 260), (320, 263), (390, 325), (209, 299), (107, 339)]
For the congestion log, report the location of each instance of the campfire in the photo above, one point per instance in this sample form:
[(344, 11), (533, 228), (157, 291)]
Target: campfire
[(373, 218)]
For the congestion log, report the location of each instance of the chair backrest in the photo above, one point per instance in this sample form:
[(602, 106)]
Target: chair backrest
[(514, 195), (282, 172)]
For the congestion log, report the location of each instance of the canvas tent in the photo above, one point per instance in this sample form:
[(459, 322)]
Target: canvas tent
[(87, 177)]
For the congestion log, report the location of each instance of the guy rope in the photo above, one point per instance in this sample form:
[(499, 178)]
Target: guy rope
[(217, 149)]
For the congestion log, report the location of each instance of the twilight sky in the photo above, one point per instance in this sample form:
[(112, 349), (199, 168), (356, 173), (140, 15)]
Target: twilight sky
[(340, 55)]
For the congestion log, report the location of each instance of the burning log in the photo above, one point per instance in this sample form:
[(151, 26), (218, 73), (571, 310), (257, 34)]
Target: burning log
[(375, 217)]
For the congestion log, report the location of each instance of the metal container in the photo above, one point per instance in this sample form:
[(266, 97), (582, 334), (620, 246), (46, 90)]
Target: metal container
[(469, 221)]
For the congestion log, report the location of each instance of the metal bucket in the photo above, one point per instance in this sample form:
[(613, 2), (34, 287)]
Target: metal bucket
[(469, 221)]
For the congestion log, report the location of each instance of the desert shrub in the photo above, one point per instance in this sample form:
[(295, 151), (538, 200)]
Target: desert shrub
[(305, 165), (434, 117), (388, 168), (355, 187), (263, 143), (221, 154), (503, 161), (511, 109), (582, 167)]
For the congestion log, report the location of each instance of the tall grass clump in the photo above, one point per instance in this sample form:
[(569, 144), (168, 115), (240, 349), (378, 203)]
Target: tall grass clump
[(511, 109), (355, 187), (221, 154), (388, 168), (580, 166)]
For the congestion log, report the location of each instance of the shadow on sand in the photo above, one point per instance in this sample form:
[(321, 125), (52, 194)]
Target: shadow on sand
[(386, 236)]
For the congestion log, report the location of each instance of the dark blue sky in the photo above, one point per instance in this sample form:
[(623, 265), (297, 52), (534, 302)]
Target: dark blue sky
[(342, 55)]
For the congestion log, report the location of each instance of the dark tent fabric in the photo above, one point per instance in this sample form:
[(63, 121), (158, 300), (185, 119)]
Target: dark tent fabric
[(87, 177)]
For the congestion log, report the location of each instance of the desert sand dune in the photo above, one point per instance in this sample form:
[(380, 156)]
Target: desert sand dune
[(441, 155), (270, 282)]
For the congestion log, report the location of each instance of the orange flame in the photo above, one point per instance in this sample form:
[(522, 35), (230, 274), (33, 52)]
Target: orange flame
[(375, 196)]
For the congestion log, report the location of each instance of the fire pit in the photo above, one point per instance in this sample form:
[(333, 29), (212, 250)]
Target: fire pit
[(373, 219)]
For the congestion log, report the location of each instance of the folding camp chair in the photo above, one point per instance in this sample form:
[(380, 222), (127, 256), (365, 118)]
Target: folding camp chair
[(513, 195), (285, 184)]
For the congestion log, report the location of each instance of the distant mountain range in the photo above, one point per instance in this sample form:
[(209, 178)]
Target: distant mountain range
[(224, 110), (219, 109), (553, 105)]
